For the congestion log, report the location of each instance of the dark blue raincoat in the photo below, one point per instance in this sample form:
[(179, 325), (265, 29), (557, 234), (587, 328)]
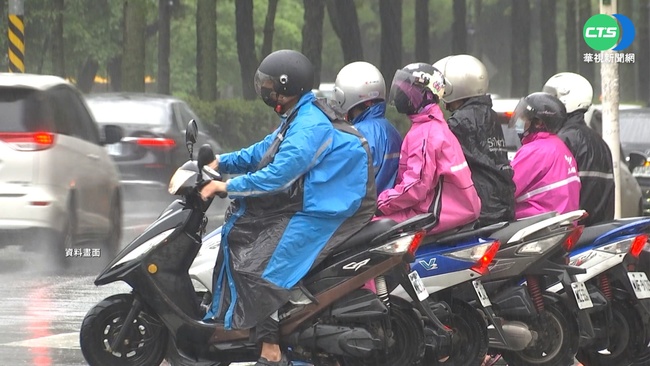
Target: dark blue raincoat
[(385, 143)]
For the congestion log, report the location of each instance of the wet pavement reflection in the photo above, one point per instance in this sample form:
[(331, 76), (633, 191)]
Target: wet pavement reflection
[(41, 312)]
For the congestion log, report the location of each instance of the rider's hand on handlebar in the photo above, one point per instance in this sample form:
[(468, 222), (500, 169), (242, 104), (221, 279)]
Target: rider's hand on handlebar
[(212, 188), (215, 163)]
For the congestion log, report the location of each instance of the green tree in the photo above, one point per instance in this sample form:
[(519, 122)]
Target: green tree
[(459, 28), (246, 46), (421, 30), (206, 49), (164, 39), (548, 14), (133, 54), (345, 22), (58, 54), (520, 48), (269, 28), (391, 36), (312, 34)]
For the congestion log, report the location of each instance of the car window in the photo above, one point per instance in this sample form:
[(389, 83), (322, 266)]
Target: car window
[(70, 117), (86, 124), (129, 112), (186, 115), (25, 110)]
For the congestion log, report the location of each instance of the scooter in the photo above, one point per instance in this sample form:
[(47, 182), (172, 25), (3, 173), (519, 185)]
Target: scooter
[(535, 328), (621, 306), (621, 303), (444, 262), (332, 319)]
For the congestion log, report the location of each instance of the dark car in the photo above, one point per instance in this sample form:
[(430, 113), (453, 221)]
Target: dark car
[(635, 137), (153, 146)]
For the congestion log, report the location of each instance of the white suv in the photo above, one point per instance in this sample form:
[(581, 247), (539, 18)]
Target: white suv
[(58, 186)]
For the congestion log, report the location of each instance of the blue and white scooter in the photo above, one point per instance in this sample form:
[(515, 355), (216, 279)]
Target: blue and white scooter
[(620, 299)]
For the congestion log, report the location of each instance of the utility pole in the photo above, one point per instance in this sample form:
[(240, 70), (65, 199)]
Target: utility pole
[(16, 32), (610, 92)]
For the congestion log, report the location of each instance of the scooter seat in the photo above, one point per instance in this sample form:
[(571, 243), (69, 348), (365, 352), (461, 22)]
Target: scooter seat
[(464, 232), (591, 233), (507, 232), (366, 234)]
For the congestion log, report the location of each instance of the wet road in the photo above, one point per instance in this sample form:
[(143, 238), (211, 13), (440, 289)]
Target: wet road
[(41, 313)]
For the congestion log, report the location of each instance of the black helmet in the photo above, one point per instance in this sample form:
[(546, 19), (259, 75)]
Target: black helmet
[(415, 86), (290, 73), (542, 107)]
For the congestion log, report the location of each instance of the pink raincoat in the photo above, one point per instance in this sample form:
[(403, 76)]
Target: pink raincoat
[(546, 176), (433, 176)]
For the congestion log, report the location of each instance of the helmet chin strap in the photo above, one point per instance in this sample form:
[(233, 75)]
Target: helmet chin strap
[(278, 108)]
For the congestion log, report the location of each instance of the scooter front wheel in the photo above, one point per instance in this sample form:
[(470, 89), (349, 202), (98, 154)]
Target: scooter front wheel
[(145, 342)]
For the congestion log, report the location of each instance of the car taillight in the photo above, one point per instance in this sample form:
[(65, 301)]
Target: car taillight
[(572, 239), (28, 141), (483, 263), (638, 244), (155, 142), (509, 114)]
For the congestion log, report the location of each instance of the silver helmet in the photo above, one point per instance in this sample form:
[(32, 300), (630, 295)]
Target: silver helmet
[(465, 77), (572, 89), (356, 83)]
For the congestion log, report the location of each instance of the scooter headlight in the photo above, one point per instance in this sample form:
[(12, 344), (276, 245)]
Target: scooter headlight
[(145, 247)]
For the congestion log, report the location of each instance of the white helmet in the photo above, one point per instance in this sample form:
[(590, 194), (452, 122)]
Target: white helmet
[(356, 83), (572, 89), (465, 77)]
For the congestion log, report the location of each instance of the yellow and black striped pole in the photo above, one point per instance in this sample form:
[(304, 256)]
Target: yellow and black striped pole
[(16, 36)]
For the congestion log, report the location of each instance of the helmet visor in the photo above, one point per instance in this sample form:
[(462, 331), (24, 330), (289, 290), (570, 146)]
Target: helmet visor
[(264, 81), (522, 116), (406, 91)]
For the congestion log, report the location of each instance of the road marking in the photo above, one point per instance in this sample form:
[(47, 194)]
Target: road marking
[(64, 341)]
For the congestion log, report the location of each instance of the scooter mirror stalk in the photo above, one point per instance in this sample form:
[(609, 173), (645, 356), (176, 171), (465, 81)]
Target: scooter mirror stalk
[(190, 136)]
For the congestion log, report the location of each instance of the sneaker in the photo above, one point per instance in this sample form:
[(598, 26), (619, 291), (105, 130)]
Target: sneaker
[(264, 362)]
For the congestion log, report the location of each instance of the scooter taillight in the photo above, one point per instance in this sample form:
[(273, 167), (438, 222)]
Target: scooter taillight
[(638, 244), (415, 243), (572, 239), (483, 263)]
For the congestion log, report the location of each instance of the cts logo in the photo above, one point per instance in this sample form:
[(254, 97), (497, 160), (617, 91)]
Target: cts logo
[(602, 32)]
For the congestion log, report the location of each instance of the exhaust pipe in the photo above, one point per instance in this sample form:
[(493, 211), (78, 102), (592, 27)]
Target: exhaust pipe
[(517, 336)]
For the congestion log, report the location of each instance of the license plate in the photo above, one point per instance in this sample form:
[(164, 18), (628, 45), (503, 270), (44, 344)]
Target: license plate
[(582, 295), (482, 295), (640, 284), (114, 149), (420, 290)]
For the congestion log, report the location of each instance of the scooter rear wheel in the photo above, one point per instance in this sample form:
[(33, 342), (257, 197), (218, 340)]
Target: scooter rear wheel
[(408, 337), (557, 340), (624, 344), (469, 341), (145, 342)]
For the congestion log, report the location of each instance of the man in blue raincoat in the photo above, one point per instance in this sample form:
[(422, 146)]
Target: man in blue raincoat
[(360, 91), (305, 189)]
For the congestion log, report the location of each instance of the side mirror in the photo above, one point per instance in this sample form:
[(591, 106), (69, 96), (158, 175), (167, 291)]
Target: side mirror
[(635, 160), (190, 136), (206, 156), (112, 134)]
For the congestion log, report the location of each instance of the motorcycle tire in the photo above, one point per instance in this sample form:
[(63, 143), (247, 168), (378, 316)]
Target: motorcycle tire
[(470, 338), (557, 341), (145, 343), (625, 345), (408, 336)]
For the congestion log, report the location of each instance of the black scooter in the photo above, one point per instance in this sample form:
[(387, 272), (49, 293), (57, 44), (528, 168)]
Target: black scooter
[(331, 320)]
